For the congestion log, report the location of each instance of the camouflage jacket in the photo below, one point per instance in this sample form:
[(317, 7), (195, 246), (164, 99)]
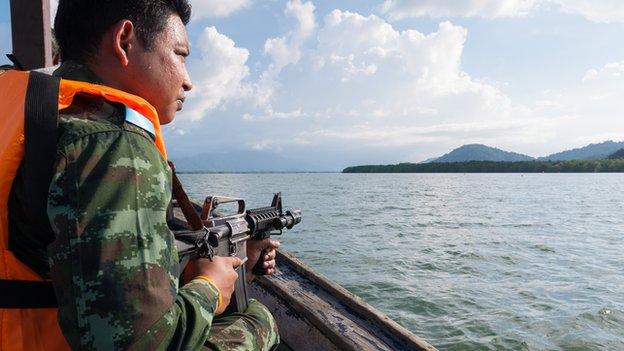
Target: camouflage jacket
[(113, 261)]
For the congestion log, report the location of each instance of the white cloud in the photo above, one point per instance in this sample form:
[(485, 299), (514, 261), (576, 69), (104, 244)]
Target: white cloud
[(412, 71), (275, 145), (593, 107), (493, 132), (401, 9), (590, 74), (605, 87), (359, 81), (604, 11), (304, 14), (285, 50), (271, 115), (610, 71), (218, 73), (353, 84), (217, 8)]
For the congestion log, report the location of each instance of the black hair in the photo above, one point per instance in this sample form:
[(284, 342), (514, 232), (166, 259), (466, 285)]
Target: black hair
[(80, 24)]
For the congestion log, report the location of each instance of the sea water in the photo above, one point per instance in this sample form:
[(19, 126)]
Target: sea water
[(465, 261)]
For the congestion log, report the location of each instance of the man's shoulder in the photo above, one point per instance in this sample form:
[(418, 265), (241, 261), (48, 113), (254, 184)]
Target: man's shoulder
[(72, 127), (98, 125), (93, 117)]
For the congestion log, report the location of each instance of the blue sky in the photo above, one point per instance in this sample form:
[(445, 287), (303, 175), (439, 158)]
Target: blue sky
[(336, 83)]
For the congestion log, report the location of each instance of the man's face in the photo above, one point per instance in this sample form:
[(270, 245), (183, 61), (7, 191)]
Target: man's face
[(160, 74)]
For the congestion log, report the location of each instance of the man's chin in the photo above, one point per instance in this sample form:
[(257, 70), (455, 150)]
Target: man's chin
[(166, 118)]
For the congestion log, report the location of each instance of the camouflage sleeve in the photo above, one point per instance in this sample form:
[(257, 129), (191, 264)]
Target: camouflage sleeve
[(253, 330), (113, 262)]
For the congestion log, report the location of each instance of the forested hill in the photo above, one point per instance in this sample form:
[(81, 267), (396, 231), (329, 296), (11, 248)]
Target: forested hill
[(588, 166), (589, 152), (617, 154), (479, 152)]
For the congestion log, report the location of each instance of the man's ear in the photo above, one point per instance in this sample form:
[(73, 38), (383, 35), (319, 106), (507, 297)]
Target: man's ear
[(124, 40)]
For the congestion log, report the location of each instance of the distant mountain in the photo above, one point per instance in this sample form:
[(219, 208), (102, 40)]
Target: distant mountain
[(617, 154), (589, 152), (479, 152), (240, 161), (429, 160)]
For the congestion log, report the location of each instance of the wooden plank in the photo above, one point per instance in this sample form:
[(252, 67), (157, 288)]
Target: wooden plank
[(296, 331), (315, 308), (31, 33)]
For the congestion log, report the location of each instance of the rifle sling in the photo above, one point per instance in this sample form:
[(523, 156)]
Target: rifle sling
[(191, 215)]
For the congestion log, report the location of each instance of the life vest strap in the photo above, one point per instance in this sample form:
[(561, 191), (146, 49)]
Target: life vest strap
[(41, 133), (27, 294)]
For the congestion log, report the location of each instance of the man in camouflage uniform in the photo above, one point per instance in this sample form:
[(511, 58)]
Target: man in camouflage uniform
[(113, 261)]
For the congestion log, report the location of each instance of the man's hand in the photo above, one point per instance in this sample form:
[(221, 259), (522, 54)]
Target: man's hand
[(220, 271), (266, 248)]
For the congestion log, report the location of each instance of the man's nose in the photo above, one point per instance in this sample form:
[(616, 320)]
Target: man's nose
[(187, 84)]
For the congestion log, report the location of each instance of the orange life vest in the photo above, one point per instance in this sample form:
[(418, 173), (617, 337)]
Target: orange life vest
[(38, 329)]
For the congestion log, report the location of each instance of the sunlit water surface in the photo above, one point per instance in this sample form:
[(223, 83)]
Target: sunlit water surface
[(466, 261)]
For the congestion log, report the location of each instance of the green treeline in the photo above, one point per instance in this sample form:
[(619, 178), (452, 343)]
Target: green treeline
[(589, 166), (617, 154)]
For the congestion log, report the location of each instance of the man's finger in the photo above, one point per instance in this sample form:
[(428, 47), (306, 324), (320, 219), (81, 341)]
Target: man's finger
[(270, 244), (270, 255), (235, 261), (268, 263), (273, 244)]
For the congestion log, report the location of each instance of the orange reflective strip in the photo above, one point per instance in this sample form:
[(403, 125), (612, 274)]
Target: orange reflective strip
[(70, 88)]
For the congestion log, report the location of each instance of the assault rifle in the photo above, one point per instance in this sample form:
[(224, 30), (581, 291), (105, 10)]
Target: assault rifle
[(227, 235)]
